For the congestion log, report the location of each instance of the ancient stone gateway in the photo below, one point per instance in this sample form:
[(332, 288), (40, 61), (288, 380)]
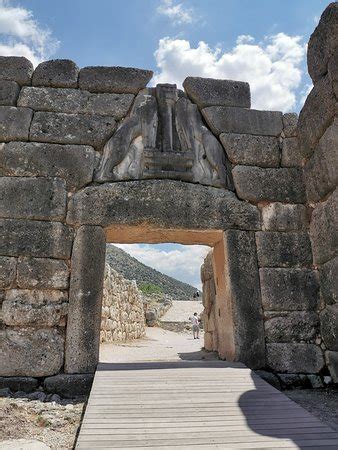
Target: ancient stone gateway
[(92, 156)]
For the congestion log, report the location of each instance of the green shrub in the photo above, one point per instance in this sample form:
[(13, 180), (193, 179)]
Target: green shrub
[(149, 289)]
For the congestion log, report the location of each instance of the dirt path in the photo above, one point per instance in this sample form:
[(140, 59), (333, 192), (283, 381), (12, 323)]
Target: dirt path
[(182, 310), (158, 345)]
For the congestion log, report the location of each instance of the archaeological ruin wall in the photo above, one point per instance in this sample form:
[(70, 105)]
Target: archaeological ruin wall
[(93, 156), (123, 316)]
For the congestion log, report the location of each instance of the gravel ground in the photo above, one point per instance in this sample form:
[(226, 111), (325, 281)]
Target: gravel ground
[(52, 423)]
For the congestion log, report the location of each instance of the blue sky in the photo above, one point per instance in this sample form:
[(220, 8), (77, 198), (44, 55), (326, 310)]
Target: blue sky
[(262, 42)]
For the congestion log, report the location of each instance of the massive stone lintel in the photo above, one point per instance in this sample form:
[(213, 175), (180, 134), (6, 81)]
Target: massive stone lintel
[(164, 137)]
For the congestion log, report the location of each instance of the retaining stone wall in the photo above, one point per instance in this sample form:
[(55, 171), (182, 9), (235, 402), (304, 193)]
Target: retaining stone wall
[(122, 309)]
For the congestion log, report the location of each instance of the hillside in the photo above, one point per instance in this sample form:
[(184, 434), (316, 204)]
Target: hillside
[(132, 269)]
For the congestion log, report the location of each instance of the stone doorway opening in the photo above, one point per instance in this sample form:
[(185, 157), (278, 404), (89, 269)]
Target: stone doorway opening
[(239, 324)]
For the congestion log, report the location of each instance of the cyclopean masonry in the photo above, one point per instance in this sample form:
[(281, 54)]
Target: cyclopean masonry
[(93, 156)]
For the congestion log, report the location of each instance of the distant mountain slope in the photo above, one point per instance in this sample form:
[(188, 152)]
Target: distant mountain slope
[(132, 269)]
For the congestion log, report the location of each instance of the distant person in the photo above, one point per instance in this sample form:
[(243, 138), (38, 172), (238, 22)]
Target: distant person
[(195, 326)]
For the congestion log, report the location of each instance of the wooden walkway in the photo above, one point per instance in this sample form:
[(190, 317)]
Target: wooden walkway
[(194, 405)]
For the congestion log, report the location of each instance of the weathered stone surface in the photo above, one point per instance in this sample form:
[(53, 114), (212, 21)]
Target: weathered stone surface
[(75, 101), (85, 300), (43, 273), (329, 281), (292, 327), (150, 202), (16, 68), (72, 128), (332, 362), (23, 384), (290, 124), (56, 73), (32, 353), (316, 116), (324, 229), (276, 185), (9, 92), (333, 71), (74, 163), (323, 42), (223, 119), (31, 307), (283, 249), (243, 282), (321, 171), (293, 358), (210, 92), (269, 377), (284, 217), (329, 326), (7, 271), (35, 238), (120, 80), (262, 151), (14, 123), (293, 380), (69, 386), (32, 198), (289, 289), (292, 156)]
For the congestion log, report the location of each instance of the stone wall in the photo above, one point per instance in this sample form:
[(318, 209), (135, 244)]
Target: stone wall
[(122, 309), (209, 303), (318, 133), (89, 157)]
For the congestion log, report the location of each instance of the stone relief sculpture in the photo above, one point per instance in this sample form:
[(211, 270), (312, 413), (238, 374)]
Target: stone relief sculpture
[(164, 137)]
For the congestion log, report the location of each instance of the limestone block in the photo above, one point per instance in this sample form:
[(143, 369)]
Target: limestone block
[(31, 307), (321, 171), (224, 119), (23, 384), (14, 123), (43, 273), (289, 289), (292, 156), (120, 80), (332, 362), (69, 386), (32, 198), (292, 327), (149, 202), (293, 358), (323, 42), (318, 111), (277, 185), (290, 124), (329, 281), (333, 71), (329, 326), (56, 73), (85, 300), (35, 238), (323, 230), (28, 352), (7, 271), (75, 101), (250, 150), (16, 68), (208, 343), (243, 282), (283, 249), (74, 163), (9, 92), (210, 92), (72, 128), (284, 217)]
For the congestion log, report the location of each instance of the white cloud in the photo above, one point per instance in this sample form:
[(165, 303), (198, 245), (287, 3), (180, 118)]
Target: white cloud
[(21, 34), (176, 12), (272, 67), (182, 263)]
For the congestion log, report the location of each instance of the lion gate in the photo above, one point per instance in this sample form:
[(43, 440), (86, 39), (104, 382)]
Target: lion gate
[(92, 156)]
